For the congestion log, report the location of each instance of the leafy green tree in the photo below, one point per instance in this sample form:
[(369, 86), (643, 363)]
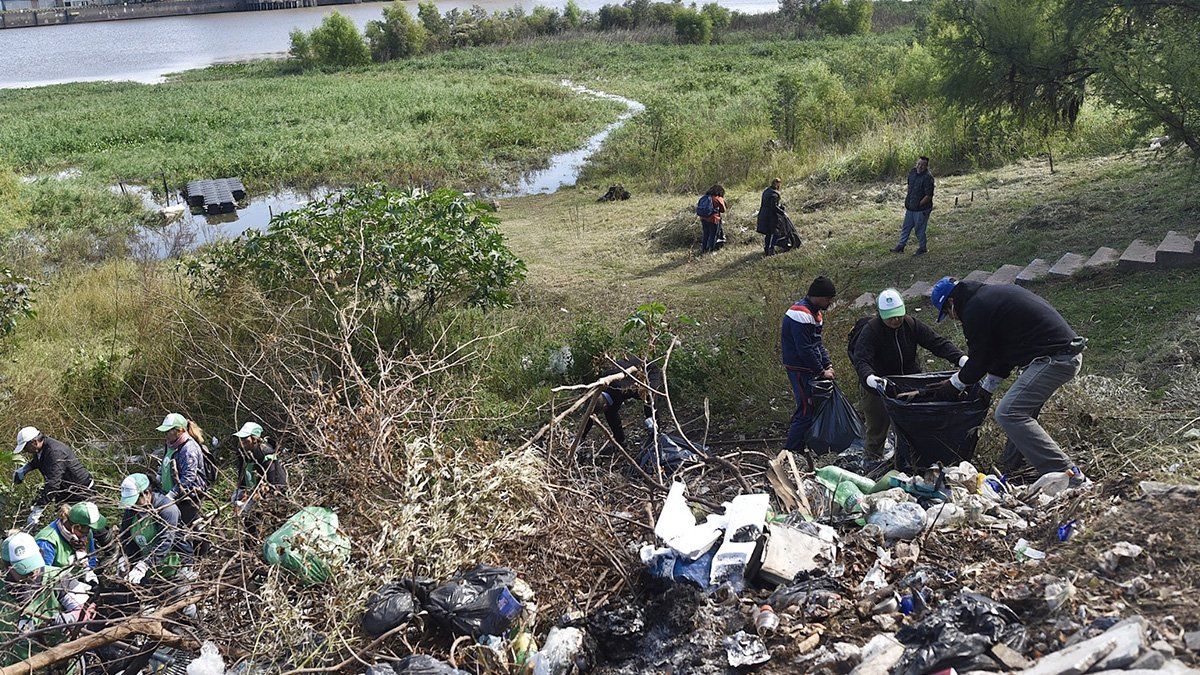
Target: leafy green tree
[(435, 25), (719, 17), (15, 300), (812, 102), (614, 17), (398, 36), (693, 28), (411, 252), (336, 43), (847, 17), (1147, 57), (573, 15), (300, 49)]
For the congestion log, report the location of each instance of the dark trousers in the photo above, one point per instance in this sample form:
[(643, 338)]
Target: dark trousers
[(769, 243), (805, 414), (708, 239)]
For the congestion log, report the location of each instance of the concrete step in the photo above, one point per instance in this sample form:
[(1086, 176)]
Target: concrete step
[(1103, 256), (1067, 265), (1137, 256), (864, 300), (1034, 271), (978, 275), (917, 290), (1005, 275), (1176, 250)]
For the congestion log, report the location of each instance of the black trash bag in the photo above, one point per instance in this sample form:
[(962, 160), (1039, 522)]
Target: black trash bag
[(423, 664), (836, 426), (673, 452), (388, 608), (797, 592), (477, 603), (958, 635), (928, 432)]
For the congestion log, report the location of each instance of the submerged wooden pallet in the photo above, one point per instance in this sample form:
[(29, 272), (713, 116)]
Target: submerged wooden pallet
[(219, 195)]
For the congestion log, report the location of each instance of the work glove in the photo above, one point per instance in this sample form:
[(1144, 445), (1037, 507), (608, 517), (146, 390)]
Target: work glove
[(138, 573), (35, 514), (19, 476), (963, 360), (878, 384), (26, 625), (236, 497), (122, 564)]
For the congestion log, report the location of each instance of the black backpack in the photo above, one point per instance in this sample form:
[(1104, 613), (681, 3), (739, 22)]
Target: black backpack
[(209, 470), (854, 333)]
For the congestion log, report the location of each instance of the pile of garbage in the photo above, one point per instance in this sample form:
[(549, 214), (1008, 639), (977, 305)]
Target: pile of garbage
[(830, 576)]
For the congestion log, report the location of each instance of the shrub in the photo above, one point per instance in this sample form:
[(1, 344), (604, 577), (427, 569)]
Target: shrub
[(573, 15), (92, 385), (336, 43), (300, 49), (15, 300), (435, 26), (845, 17), (408, 251), (398, 36), (812, 102), (693, 28), (719, 17), (615, 17)]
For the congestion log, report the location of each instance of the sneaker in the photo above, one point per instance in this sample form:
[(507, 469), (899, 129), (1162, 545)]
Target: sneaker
[(920, 251), (1077, 479), (898, 249)]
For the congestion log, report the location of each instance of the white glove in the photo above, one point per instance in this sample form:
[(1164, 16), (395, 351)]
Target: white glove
[(991, 383), (236, 497), (649, 422), (35, 514), (26, 625), (138, 573), (963, 361), (877, 383), (122, 565)]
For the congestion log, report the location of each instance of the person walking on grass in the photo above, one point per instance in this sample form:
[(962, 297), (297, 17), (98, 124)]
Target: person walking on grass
[(1008, 327), (66, 479), (711, 210), (918, 202), (884, 345), (805, 357), (771, 213)]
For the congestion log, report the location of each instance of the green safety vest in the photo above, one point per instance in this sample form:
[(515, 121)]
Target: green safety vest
[(251, 475), (144, 531), (166, 474), (43, 607), (63, 553)]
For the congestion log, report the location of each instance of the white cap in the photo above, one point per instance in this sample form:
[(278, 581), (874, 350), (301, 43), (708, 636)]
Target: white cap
[(24, 436), (250, 429), (21, 551), (890, 304)]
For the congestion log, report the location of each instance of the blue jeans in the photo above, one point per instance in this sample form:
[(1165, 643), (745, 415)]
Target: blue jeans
[(802, 419), (708, 240), (914, 219)]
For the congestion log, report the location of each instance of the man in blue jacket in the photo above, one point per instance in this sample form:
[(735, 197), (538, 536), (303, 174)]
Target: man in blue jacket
[(805, 356)]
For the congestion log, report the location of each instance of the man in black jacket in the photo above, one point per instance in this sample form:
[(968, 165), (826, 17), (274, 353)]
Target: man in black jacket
[(628, 388), (1008, 327), (770, 213), (887, 345), (66, 479), (918, 203)]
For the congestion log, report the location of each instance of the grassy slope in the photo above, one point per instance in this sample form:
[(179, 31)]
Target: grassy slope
[(590, 257)]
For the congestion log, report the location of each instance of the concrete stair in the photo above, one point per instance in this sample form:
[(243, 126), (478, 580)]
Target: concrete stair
[(1034, 271), (1007, 274), (1138, 255), (1175, 250), (1067, 265)]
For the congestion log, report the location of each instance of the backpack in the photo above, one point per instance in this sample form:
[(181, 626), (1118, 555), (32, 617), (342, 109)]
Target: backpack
[(209, 470), (854, 333), (704, 207)]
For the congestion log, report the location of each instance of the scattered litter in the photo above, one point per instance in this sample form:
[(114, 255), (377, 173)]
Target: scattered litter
[(836, 424), (1114, 649), (308, 545), (903, 520), (879, 655), (562, 654), (423, 664), (677, 525), (766, 621), (792, 550), (1119, 553), (743, 649), (958, 633), (477, 603), (209, 663), (1066, 530), (388, 608), (1026, 551), (1057, 594)]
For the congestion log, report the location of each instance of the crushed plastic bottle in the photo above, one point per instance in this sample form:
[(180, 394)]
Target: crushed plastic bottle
[(209, 663)]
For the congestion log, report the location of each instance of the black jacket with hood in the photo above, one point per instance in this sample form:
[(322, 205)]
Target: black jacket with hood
[(770, 212), (882, 351), (66, 478), (1007, 327)]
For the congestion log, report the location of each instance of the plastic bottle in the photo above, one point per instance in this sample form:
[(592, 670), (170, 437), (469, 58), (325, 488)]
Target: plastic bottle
[(831, 476), (848, 496), (766, 621)]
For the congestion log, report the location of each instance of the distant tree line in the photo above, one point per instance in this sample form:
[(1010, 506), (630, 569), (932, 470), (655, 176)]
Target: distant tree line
[(337, 43)]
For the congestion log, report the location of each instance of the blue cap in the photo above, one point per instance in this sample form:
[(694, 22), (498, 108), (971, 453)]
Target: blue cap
[(941, 291)]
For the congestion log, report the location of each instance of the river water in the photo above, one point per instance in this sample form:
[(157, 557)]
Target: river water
[(143, 50)]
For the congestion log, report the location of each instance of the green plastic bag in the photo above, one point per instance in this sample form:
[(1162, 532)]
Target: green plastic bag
[(308, 545)]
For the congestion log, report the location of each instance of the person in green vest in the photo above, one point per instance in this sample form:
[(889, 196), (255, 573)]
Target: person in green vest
[(182, 472), (72, 536), (260, 471), (33, 597), (150, 532)]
